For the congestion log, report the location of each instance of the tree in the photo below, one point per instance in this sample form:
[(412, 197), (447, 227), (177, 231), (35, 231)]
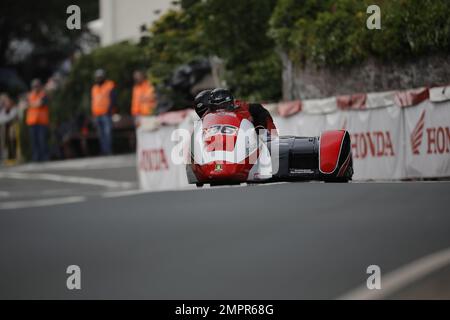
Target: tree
[(119, 61), (236, 31), (176, 38), (334, 33), (233, 30), (42, 25)]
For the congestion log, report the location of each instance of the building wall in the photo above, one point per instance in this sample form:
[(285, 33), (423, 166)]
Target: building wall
[(122, 19), (310, 82)]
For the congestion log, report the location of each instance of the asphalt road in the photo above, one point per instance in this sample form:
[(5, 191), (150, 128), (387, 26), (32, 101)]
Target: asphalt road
[(280, 241)]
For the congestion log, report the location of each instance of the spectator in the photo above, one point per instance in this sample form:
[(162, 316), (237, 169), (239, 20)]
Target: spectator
[(103, 98), (8, 128), (53, 83), (143, 101), (37, 119)]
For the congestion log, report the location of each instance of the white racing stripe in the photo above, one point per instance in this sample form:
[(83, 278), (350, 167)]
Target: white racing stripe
[(39, 203), (66, 179), (401, 278)]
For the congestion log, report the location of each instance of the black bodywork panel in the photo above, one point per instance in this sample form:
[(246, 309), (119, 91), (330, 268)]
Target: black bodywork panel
[(298, 157)]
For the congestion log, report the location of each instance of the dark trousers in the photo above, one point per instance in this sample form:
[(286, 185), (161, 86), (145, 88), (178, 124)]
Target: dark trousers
[(104, 129), (39, 143)]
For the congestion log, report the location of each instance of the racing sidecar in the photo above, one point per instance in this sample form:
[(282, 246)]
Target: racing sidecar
[(225, 148)]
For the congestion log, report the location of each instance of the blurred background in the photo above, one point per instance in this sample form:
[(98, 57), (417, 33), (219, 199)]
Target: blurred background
[(263, 50)]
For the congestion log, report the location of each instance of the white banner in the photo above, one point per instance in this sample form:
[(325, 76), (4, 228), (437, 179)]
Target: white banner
[(300, 124), (387, 143), (428, 140), (376, 135), (156, 170), (377, 143)]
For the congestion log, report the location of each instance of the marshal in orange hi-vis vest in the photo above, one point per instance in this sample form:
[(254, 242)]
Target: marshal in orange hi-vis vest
[(101, 98), (37, 115), (143, 101)]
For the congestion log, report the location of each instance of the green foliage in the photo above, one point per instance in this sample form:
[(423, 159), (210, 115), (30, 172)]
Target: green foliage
[(334, 33), (259, 80), (294, 13), (230, 29), (43, 24), (119, 61), (175, 39), (413, 28), (236, 31)]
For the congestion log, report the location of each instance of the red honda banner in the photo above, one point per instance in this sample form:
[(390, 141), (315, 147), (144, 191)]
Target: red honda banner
[(427, 140)]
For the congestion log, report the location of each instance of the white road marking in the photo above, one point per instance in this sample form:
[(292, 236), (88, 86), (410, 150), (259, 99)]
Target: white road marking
[(4, 194), (117, 194), (39, 202), (67, 179), (125, 193), (402, 277), (79, 164)]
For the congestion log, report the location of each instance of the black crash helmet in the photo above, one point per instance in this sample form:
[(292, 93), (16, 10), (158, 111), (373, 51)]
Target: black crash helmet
[(221, 98), (202, 99)]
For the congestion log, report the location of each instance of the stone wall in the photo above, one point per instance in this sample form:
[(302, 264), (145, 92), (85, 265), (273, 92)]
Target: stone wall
[(310, 82)]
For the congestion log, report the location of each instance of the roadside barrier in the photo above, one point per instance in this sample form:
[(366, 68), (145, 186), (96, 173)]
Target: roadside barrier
[(395, 135)]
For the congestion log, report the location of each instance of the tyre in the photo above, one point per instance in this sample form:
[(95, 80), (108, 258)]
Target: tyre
[(347, 175)]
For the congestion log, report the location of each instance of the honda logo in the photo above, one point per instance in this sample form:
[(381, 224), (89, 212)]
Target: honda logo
[(417, 134), (437, 138), (376, 144)]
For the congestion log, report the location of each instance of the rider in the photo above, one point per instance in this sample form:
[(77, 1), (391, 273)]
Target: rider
[(223, 99)]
